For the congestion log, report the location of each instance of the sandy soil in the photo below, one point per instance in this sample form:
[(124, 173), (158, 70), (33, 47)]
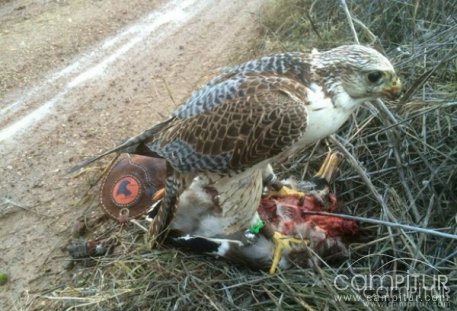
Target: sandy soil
[(77, 77)]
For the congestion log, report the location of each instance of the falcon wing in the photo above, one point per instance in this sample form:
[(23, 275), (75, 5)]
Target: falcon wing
[(234, 130), (234, 122)]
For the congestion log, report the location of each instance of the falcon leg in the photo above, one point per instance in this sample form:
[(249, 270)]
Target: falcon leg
[(270, 179), (276, 185), (321, 180), (328, 168), (281, 243), (324, 176), (279, 189), (319, 189)]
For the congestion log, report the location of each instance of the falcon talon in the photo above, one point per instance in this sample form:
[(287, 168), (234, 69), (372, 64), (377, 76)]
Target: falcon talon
[(286, 191), (282, 243)]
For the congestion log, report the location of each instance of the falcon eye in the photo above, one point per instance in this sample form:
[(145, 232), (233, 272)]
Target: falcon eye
[(375, 76)]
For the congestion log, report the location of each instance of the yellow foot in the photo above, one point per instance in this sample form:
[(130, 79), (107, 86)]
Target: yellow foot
[(282, 242), (325, 174), (286, 192), (329, 167)]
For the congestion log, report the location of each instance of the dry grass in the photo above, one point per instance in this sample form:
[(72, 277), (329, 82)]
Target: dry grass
[(403, 170)]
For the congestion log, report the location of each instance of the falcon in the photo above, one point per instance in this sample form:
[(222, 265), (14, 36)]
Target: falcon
[(228, 132)]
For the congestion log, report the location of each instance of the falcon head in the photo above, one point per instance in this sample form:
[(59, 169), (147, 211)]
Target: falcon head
[(364, 73)]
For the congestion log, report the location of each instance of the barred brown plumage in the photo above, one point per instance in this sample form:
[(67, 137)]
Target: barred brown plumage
[(230, 130)]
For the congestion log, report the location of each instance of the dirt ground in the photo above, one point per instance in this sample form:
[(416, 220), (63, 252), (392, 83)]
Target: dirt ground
[(77, 77)]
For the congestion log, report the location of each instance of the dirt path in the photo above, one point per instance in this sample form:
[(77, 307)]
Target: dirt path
[(104, 80)]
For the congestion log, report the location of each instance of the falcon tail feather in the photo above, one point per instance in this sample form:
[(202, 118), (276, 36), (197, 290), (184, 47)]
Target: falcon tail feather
[(135, 145)]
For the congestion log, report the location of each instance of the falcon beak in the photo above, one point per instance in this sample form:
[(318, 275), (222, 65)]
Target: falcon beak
[(393, 89)]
